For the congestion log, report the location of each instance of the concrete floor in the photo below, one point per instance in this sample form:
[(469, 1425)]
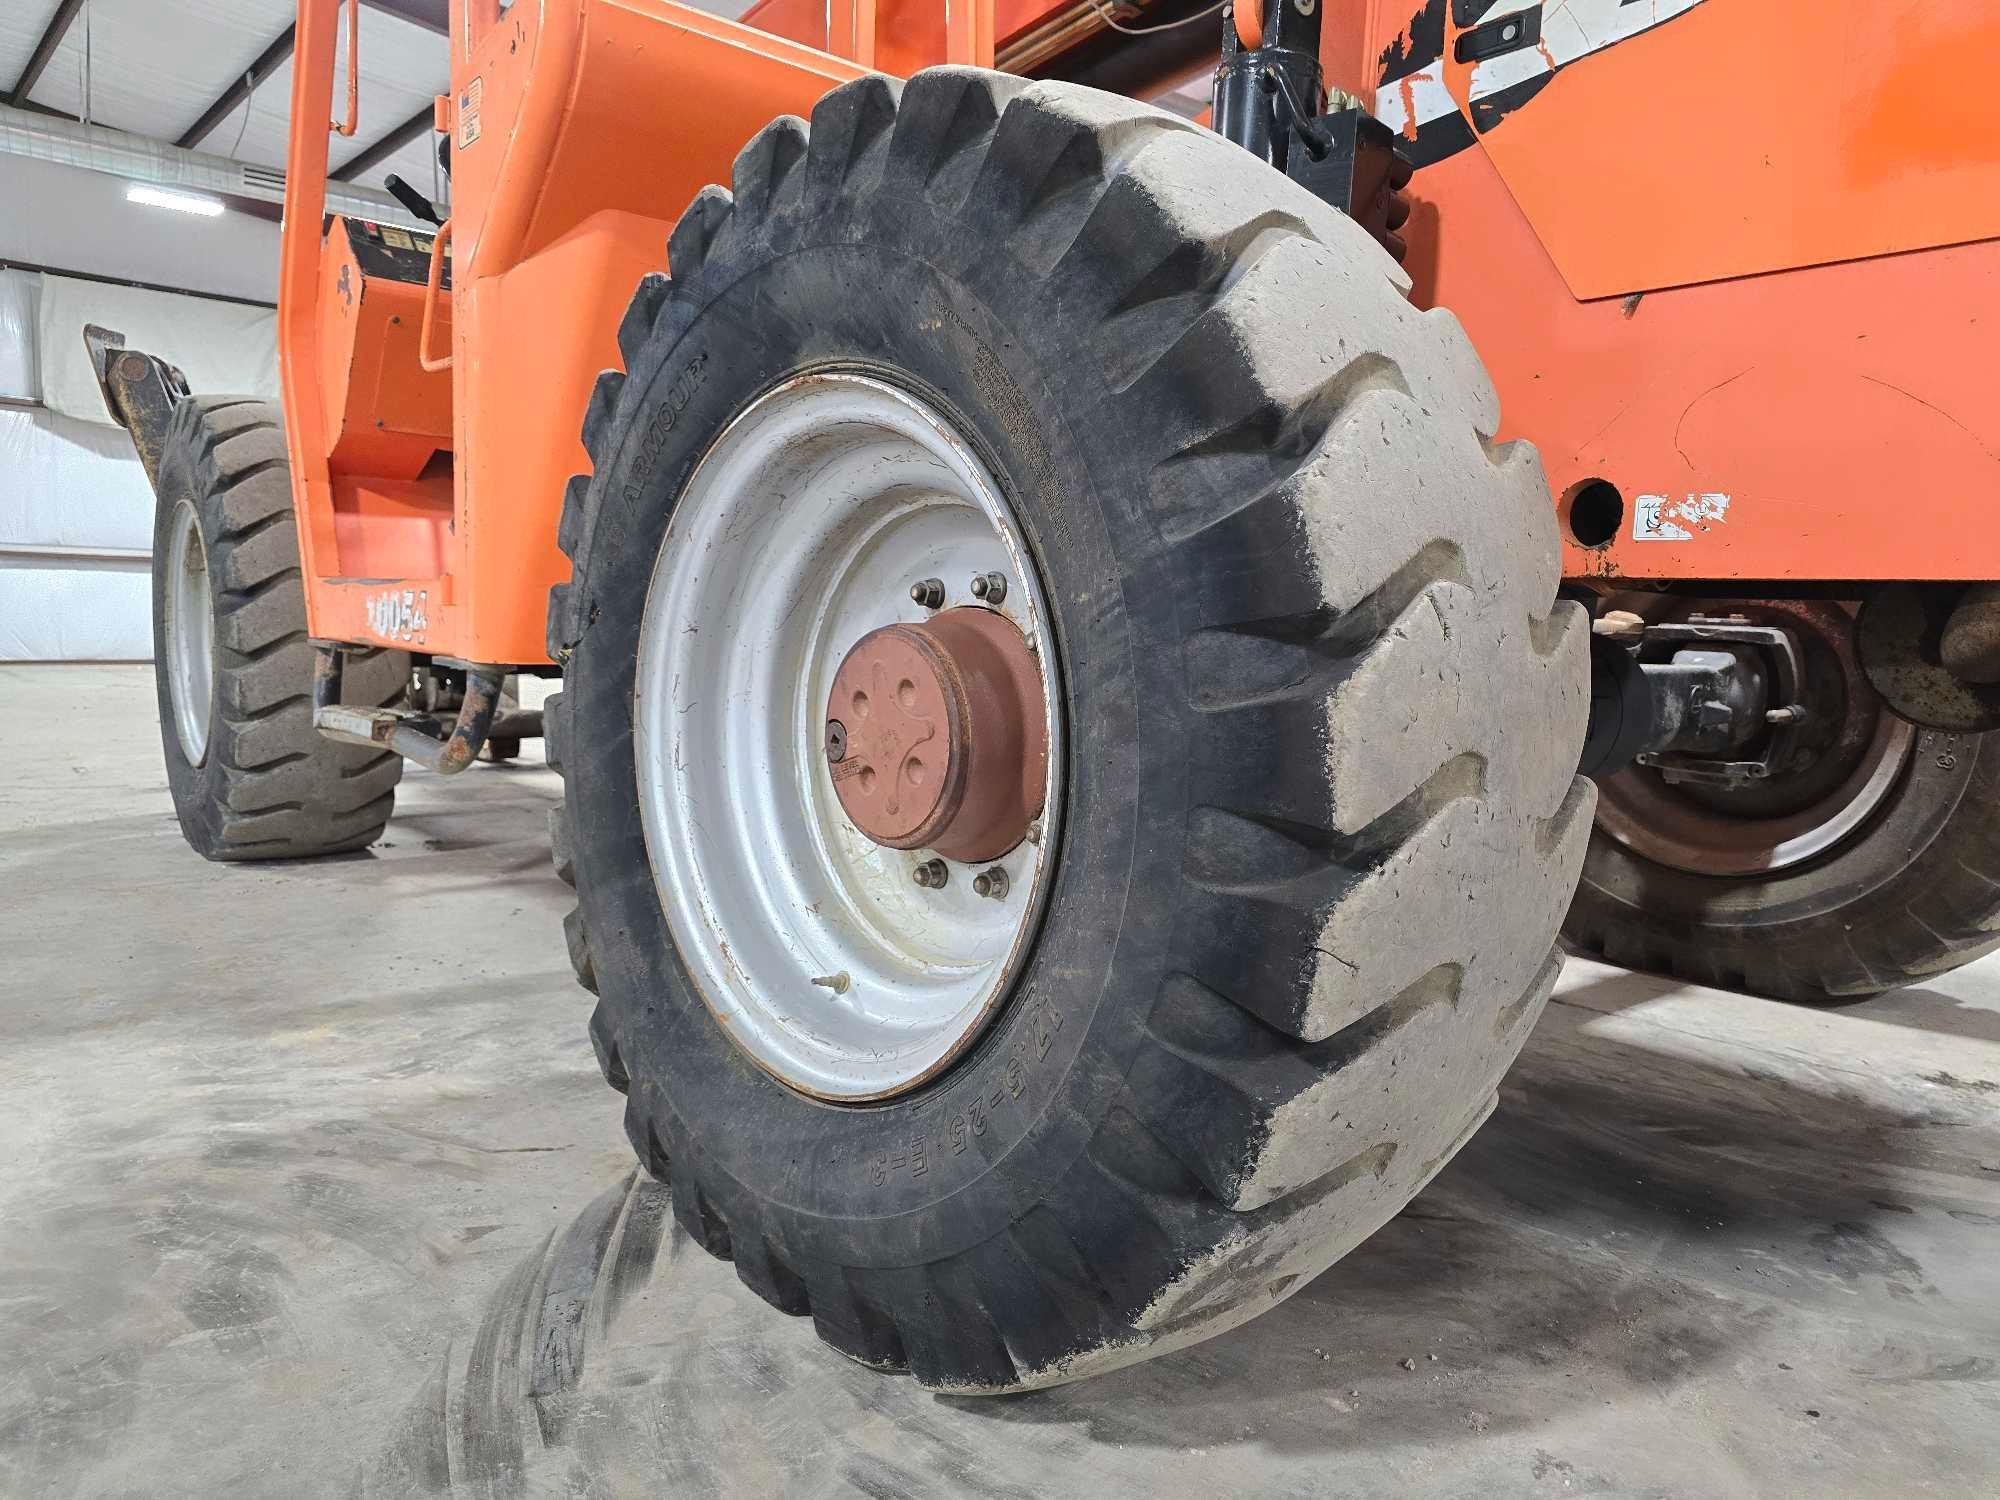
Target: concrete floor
[(308, 1185)]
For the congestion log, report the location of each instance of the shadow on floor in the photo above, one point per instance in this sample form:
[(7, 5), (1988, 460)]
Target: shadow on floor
[(1631, 1224), (1916, 1007)]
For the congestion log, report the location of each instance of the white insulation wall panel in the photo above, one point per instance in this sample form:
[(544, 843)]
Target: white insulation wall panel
[(71, 485), (76, 512), (80, 611), (63, 216), (20, 307), (224, 348), (72, 497)]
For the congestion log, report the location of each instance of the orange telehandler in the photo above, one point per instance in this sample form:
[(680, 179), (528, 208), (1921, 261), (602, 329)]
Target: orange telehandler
[(1081, 724)]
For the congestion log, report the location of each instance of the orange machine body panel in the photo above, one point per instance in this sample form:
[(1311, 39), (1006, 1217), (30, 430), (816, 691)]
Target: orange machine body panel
[(387, 420), (1655, 143), (1732, 257), (564, 193), (1736, 258)]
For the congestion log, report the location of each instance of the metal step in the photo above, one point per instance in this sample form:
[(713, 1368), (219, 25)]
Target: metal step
[(357, 726)]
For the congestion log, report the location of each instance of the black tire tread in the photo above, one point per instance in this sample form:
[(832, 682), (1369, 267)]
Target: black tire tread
[(1938, 913), (1308, 1103), (271, 787)]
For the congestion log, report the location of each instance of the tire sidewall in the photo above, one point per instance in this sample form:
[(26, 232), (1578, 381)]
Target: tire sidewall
[(952, 1163), (197, 790), (1897, 849)]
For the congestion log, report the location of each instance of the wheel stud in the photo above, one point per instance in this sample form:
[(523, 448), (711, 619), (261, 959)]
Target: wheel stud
[(989, 588), (932, 874), (836, 740), (991, 883), (929, 593)]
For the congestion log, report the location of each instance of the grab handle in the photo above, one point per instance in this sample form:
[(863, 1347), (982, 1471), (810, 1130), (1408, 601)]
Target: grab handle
[(430, 302)]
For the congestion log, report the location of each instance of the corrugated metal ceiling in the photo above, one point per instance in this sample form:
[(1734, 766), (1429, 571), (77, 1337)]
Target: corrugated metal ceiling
[(154, 68), (21, 25)]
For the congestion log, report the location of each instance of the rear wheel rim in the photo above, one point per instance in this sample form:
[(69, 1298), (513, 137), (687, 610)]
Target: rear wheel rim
[(1644, 815), (1724, 836), (190, 622), (804, 527)]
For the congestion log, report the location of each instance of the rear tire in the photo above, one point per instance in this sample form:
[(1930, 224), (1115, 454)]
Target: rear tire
[(1868, 857), (1913, 895), (250, 776), (1320, 819)]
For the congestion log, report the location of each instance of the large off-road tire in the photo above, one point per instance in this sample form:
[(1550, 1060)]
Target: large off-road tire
[(250, 776), (1319, 820), (1912, 892)]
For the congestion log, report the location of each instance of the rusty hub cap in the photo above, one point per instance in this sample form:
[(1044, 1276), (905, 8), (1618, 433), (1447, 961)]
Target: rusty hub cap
[(945, 735)]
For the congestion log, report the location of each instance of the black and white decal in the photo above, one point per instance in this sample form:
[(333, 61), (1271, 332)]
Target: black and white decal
[(1514, 50)]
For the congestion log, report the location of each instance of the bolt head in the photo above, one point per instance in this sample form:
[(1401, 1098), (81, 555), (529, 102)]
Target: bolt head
[(836, 740), (928, 592), (989, 588), (990, 883), (931, 874)]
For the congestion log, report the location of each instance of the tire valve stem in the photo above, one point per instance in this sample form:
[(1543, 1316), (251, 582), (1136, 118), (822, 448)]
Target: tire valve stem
[(932, 874), (928, 592), (991, 883), (989, 588)]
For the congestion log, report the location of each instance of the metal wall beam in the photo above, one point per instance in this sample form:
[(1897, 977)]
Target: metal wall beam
[(432, 15), (45, 49), (418, 124), (268, 62)]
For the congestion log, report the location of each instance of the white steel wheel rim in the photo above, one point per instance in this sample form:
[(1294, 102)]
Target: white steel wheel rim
[(802, 529), (190, 611)]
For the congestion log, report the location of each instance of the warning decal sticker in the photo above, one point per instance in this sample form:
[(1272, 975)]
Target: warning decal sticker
[(468, 112)]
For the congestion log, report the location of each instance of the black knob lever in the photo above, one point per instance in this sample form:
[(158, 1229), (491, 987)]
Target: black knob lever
[(413, 200)]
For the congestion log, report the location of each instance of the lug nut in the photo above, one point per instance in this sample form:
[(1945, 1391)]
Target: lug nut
[(836, 740), (989, 588), (932, 874), (991, 883), (929, 593)]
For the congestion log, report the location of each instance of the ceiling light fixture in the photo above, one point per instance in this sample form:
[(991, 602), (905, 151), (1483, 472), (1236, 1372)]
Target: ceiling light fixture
[(184, 203)]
